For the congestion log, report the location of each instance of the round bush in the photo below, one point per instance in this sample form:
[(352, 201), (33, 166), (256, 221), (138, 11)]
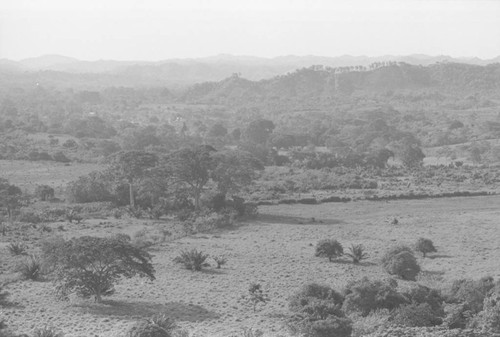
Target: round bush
[(415, 315), (329, 248), (403, 265), (401, 262), (365, 296), (424, 246)]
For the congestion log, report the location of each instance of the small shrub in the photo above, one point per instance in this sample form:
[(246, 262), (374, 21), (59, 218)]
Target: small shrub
[(424, 295), (400, 261), (28, 216), (425, 246), (470, 292), (366, 325), (415, 315), (357, 253), (47, 332), (329, 248), (313, 292), (256, 295), (73, 215), (489, 318), (365, 296), (17, 248), (332, 326), (220, 260), (192, 259), (31, 268), (44, 192), (156, 326)]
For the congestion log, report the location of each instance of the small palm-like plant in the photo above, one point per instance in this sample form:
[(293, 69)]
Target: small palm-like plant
[(17, 248), (48, 332), (425, 246), (157, 326), (256, 295), (31, 268), (192, 259), (220, 260), (357, 253), (329, 248)]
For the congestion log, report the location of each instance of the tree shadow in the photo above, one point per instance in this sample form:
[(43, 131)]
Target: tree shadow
[(215, 271), (438, 256), (296, 220), (179, 311), (424, 273)]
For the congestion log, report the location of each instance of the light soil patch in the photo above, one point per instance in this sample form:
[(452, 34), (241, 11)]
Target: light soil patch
[(277, 251)]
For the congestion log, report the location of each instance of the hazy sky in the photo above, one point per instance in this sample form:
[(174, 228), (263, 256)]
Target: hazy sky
[(162, 29)]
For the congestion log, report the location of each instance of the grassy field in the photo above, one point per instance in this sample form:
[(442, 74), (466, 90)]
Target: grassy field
[(29, 174), (275, 250)]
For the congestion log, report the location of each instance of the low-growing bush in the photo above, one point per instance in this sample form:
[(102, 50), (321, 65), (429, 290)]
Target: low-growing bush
[(44, 192), (31, 268), (489, 318), (401, 262), (156, 326), (332, 326), (364, 296), (192, 259), (470, 292), (29, 216), (220, 260), (424, 246), (415, 315), (208, 222), (357, 253), (423, 295), (256, 295), (329, 248), (313, 292), (48, 331), (17, 248)]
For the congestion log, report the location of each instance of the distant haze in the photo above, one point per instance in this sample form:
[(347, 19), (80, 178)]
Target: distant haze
[(159, 29)]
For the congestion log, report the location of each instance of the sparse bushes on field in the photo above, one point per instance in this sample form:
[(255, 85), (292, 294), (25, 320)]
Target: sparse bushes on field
[(415, 315), (313, 292), (364, 296), (400, 261), (357, 253), (156, 326), (329, 248), (424, 246), (192, 259)]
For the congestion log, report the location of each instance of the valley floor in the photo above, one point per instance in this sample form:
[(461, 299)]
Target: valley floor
[(277, 251)]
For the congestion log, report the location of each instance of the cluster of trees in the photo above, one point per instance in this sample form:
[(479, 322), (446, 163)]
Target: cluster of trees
[(148, 180)]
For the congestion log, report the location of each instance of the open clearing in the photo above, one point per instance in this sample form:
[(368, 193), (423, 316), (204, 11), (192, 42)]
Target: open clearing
[(277, 251)]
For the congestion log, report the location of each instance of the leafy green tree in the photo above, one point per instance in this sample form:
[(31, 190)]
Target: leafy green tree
[(90, 266), (191, 167), (259, 131), (233, 169), (133, 165)]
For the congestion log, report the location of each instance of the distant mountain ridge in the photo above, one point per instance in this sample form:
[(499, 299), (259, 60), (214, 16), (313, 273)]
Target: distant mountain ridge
[(62, 71), (214, 68)]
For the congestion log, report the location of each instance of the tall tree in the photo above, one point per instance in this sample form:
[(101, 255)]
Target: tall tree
[(133, 165), (10, 196), (234, 169), (191, 167)]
